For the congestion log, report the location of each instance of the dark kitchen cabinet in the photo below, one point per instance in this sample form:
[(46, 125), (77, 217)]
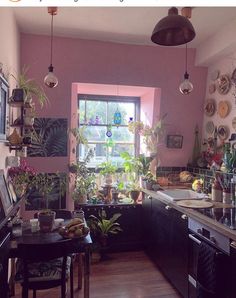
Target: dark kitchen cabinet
[(131, 222), (4, 246), (168, 247)]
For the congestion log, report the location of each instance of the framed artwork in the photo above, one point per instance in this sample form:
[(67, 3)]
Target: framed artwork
[(4, 194), (49, 138), (12, 193), (174, 141), (3, 107)]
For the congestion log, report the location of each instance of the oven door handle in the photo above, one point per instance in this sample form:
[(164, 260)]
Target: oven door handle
[(194, 239)]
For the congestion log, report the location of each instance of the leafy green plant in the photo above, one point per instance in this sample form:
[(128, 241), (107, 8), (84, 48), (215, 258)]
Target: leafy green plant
[(30, 87), (85, 183), (145, 162), (101, 226), (107, 168), (132, 166)]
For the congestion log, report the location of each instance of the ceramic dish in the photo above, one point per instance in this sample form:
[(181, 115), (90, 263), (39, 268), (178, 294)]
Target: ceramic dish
[(233, 77), (215, 74), (195, 204), (223, 84), (223, 108), (210, 107), (234, 123), (212, 88), (223, 132), (210, 127)]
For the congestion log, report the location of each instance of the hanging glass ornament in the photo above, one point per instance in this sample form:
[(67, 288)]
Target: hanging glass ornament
[(109, 133), (117, 118), (131, 119)]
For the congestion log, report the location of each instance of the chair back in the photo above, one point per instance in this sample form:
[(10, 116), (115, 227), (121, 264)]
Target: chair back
[(44, 252)]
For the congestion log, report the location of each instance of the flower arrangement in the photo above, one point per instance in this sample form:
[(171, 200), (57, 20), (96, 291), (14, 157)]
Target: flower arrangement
[(21, 177)]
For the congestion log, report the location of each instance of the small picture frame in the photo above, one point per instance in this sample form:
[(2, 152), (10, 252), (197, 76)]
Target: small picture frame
[(174, 141), (12, 193), (4, 194)]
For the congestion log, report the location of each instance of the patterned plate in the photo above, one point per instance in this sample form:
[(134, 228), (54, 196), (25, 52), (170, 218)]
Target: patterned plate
[(223, 132), (223, 108), (223, 84), (210, 127), (210, 107), (215, 74)]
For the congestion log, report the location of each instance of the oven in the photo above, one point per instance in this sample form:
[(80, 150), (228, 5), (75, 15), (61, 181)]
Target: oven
[(219, 245)]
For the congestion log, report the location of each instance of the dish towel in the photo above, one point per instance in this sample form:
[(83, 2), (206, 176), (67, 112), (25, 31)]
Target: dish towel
[(211, 270)]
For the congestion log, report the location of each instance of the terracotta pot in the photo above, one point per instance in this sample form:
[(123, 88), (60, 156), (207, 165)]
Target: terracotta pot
[(46, 220), (134, 194)]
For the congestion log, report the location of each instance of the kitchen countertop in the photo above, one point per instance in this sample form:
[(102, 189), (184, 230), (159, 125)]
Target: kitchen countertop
[(221, 228)]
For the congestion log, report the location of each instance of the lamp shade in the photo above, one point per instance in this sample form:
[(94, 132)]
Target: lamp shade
[(173, 30)]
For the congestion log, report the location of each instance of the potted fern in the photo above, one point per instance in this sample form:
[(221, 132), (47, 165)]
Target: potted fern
[(101, 228)]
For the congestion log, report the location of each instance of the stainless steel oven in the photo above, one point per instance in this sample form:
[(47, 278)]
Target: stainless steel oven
[(199, 233)]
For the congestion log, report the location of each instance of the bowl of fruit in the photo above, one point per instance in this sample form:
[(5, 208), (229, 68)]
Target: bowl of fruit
[(76, 228)]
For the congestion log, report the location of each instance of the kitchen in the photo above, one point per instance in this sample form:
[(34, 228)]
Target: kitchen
[(98, 67)]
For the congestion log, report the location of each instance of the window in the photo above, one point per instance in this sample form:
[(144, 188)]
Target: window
[(108, 140), (3, 107)]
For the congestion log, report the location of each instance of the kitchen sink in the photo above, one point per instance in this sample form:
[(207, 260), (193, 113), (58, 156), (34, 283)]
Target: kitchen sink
[(181, 194)]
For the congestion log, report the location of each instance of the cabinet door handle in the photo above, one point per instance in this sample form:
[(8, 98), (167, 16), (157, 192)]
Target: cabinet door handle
[(184, 216), (149, 197), (167, 207), (233, 244)]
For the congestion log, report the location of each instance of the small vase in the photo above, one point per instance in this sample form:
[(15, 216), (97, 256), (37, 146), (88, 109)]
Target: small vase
[(134, 194)]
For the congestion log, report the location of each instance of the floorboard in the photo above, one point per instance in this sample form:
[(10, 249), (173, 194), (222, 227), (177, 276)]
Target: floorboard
[(121, 275)]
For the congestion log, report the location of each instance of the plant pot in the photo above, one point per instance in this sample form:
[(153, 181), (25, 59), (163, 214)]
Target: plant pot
[(134, 194), (46, 220), (80, 200), (17, 95), (108, 179), (149, 185), (29, 121)]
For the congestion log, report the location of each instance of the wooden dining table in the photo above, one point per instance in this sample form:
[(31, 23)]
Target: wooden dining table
[(78, 245)]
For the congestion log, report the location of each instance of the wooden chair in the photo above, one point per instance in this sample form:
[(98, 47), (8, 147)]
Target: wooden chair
[(44, 266), (66, 214)]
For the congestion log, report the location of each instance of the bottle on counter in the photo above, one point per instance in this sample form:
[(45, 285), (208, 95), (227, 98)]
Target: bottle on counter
[(216, 191), (226, 196)]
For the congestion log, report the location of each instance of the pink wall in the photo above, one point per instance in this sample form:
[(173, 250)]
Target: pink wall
[(87, 61)]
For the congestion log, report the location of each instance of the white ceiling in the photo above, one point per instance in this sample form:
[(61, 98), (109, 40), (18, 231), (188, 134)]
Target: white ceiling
[(131, 25)]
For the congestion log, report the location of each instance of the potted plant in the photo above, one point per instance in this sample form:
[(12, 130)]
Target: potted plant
[(107, 169), (27, 89), (85, 184), (134, 190), (21, 178), (46, 220), (102, 227)]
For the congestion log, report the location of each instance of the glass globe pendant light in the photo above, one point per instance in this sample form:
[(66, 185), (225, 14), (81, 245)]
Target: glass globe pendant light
[(186, 86), (51, 80)]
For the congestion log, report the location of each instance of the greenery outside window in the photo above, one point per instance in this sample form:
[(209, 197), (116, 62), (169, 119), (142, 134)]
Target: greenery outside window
[(96, 115)]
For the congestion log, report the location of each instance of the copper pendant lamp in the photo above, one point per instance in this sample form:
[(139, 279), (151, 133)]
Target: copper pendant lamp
[(173, 30)]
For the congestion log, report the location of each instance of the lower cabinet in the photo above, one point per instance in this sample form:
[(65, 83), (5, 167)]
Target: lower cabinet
[(168, 242), (131, 238), (4, 245)]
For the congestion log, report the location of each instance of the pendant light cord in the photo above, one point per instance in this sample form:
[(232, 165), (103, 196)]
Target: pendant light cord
[(51, 38), (186, 58)]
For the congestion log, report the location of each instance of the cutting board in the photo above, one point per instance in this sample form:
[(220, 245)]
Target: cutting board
[(195, 204)]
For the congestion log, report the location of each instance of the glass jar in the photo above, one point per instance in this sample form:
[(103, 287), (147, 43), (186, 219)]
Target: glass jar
[(216, 192)]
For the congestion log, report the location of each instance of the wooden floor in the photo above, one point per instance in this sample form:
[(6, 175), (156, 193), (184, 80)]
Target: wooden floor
[(122, 275)]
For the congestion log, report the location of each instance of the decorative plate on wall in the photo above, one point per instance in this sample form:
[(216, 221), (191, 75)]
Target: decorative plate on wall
[(210, 107), (234, 123), (210, 127), (215, 74), (233, 77), (223, 84), (212, 88), (223, 132), (223, 108)]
